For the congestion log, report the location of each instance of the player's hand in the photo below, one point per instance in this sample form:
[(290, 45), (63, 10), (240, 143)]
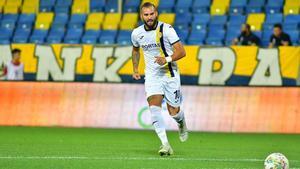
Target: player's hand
[(161, 60), (136, 76)]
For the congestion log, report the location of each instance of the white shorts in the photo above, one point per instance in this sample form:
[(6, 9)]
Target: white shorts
[(167, 86)]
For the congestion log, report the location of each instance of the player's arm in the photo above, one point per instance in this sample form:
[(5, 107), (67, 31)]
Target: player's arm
[(135, 62), (179, 52)]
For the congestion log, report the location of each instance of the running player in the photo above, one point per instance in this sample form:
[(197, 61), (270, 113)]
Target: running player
[(161, 47)]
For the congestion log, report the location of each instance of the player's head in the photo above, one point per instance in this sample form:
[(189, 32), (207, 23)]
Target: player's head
[(16, 54), (245, 28), (277, 29), (148, 14)]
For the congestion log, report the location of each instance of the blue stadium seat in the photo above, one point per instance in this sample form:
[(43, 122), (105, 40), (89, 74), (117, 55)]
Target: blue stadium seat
[(56, 35), (61, 18), (4, 40), (73, 35), (274, 18), (90, 36), (254, 9), (111, 6), (294, 35), (201, 18), (78, 18), (133, 5), (183, 6), (10, 17), (6, 32), (21, 35), (182, 26), (290, 27), (38, 36), (63, 6), (97, 5), (215, 37), (237, 6), (108, 37), (256, 2), (166, 6), (237, 19), (258, 34), (183, 18), (65, 3), (266, 35), (62, 9), (8, 24), (183, 35), (274, 6), (196, 37), (26, 18), (124, 37), (255, 6), (201, 6), (46, 5), (216, 27), (292, 19), (199, 26), (218, 20), (230, 35)]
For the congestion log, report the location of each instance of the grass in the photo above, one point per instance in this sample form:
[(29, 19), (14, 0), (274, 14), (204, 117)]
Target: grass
[(87, 148)]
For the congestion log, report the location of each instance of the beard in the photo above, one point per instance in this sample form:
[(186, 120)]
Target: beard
[(154, 21)]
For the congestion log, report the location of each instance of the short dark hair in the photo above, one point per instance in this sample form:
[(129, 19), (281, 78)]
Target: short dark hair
[(147, 5), (248, 26), (16, 50), (278, 25)]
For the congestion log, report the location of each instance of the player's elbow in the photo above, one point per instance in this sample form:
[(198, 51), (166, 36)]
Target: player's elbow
[(183, 53)]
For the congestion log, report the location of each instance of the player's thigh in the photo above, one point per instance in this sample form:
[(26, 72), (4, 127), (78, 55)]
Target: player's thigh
[(172, 91), (154, 91), (155, 100)]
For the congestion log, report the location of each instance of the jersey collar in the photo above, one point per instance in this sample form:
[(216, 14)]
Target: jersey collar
[(154, 28)]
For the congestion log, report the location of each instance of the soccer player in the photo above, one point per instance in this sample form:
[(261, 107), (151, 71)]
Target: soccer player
[(162, 48), (14, 70)]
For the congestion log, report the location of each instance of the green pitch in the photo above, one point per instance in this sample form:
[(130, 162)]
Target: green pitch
[(85, 148)]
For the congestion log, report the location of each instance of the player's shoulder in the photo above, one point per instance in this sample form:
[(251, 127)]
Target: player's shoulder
[(165, 25), (138, 30)]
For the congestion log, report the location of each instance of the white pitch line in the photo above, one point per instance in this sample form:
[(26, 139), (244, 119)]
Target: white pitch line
[(136, 158)]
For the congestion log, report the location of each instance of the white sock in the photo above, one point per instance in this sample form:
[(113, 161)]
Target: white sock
[(179, 117), (158, 124)]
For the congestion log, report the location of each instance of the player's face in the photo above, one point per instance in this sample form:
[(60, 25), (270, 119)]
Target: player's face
[(16, 57), (277, 31), (149, 16)]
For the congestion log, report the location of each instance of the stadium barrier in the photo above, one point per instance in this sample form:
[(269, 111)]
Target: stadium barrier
[(232, 66), (222, 109)]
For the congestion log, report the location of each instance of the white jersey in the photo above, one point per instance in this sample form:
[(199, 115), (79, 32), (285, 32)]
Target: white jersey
[(156, 42), (14, 72)]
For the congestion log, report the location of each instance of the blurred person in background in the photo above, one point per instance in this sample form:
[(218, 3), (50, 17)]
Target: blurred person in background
[(279, 38), (246, 38), (14, 70)]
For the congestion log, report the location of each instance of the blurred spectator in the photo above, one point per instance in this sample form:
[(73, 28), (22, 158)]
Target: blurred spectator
[(246, 38), (14, 70), (279, 38)]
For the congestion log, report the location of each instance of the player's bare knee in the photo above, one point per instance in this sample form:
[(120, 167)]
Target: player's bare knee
[(173, 110)]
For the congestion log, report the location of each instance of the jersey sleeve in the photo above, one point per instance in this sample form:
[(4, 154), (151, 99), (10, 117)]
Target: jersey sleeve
[(171, 34), (134, 39)]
